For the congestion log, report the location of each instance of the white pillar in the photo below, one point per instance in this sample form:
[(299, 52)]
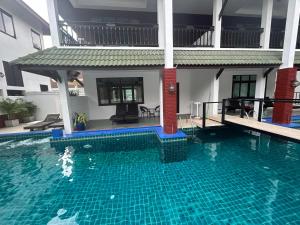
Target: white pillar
[(161, 24), (168, 21), (266, 21), (291, 33), (53, 21), (64, 102), (217, 6), (161, 99), (215, 96), (259, 91)]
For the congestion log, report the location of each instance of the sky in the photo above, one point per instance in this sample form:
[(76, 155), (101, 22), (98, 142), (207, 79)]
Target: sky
[(40, 7)]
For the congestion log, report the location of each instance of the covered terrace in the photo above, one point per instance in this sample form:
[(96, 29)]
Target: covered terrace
[(202, 75)]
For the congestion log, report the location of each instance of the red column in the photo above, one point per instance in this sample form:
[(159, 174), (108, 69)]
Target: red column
[(169, 101), (283, 111)]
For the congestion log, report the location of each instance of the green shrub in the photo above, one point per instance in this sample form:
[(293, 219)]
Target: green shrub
[(12, 108)]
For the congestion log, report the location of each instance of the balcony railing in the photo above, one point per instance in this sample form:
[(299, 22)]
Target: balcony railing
[(235, 38), (193, 36), (146, 35), (98, 34), (276, 39)]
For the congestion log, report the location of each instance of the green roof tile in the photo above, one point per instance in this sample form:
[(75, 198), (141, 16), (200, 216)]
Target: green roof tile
[(100, 58)]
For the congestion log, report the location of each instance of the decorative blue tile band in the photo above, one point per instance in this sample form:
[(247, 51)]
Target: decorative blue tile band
[(83, 135), (293, 124)]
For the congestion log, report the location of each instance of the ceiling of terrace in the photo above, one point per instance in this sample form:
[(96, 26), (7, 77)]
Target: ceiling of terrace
[(234, 7)]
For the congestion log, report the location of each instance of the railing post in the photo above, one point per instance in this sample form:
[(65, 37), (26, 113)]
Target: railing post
[(223, 110), (261, 101), (243, 108), (204, 115)]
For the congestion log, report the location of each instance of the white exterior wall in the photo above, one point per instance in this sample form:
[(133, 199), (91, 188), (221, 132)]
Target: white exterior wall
[(48, 102), (195, 85), (151, 90), (12, 48)]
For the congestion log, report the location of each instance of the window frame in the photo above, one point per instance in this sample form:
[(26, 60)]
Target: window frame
[(240, 82), (120, 87), (42, 86), (35, 32), (12, 20)]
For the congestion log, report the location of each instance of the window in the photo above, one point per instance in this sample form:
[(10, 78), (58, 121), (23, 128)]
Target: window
[(13, 75), (36, 40), (44, 87), (7, 24), (243, 86), (15, 93), (112, 91)]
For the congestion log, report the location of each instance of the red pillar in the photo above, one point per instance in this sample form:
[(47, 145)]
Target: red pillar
[(283, 111), (169, 101)]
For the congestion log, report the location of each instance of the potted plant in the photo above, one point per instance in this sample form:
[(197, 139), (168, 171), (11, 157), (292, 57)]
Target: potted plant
[(12, 108), (80, 121), (28, 114)]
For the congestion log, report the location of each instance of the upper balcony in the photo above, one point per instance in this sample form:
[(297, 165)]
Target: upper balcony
[(83, 24), (146, 35)]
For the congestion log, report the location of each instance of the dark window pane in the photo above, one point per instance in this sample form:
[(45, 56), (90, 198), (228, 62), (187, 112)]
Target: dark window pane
[(253, 77), (13, 75), (15, 93), (236, 90), (8, 23), (245, 78), (244, 90), (236, 78), (1, 23), (252, 90), (115, 95), (43, 87), (120, 90), (36, 40)]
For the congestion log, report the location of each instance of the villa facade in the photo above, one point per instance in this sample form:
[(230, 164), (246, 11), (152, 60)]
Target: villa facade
[(170, 54), (21, 33)]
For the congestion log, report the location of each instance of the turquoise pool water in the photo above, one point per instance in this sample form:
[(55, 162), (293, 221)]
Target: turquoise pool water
[(229, 177)]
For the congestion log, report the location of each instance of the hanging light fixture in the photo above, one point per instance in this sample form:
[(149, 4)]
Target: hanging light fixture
[(172, 88), (295, 83)]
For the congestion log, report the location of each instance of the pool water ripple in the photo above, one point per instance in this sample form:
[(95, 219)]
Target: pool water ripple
[(230, 177)]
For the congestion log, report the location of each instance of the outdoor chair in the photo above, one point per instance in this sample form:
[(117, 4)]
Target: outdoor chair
[(50, 119), (144, 111), (233, 105), (132, 114), (121, 110), (157, 110)]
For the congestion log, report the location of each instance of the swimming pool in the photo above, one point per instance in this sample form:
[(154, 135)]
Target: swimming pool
[(229, 176)]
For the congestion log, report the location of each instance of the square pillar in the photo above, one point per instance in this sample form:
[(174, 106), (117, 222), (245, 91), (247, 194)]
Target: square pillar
[(53, 21), (161, 99), (266, 20), (217, 23), (168, 33), (291, 33), (65, 102), (215, 96), (283, 111), (169, 101), (161, 23), (259, 92)]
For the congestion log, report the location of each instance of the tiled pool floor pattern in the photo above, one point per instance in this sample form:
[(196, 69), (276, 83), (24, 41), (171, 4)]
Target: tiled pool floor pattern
[(228, 178)]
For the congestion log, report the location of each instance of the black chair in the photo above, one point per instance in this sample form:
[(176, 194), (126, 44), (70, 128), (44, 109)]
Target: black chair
[(144, 110), (121, 110), (157, 110), (132, 114), (268, 103), (233, 105)]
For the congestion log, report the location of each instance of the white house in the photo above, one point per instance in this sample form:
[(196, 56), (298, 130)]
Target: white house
[(170, 53), (21, 33)]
